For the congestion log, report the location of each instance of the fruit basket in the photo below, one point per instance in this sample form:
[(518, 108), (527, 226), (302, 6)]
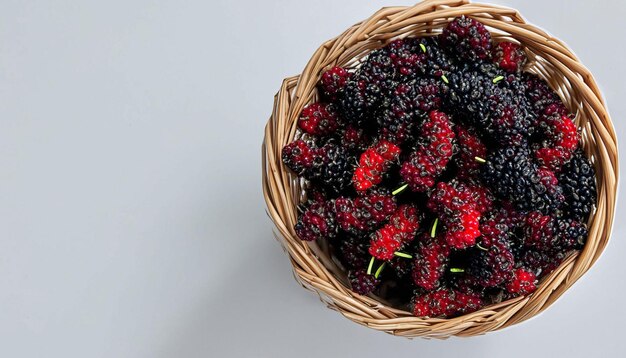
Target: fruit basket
[(314, 264)]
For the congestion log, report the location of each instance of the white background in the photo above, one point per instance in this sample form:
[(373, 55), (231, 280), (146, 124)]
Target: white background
[(132, 222)]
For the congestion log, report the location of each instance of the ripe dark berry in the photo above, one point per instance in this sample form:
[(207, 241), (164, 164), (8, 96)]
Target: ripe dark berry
[(481, 197), (449, 199), (353, 138), (468, 38), (511, 120), (361, 282), (541, 262), (422, 95), (396, 130), (578, 180), (353, 252), (469, 91), (298, 156), (539, 93), (539, 231), (492, 228), (446, 199), (338, 168), (331, 166), (511, 175), (509, 56), (430, 262), (492, 267), (547, 233), (470, 147), (560, 140), (318, 119), (413, 57), (368, 91), (571, 235), (488, 98), (317, 222), (406, 56), (502, 222), (445, 303), (438, 62), (432, 154), (402, 268), (411, 103), (365, 213), (333, 82), (437, 136), (419, 171)]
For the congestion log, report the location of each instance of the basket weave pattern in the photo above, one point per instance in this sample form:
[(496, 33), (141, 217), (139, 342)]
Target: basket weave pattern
[(313, 266)]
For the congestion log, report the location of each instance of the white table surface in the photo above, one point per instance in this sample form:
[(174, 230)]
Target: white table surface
[(132, 222)]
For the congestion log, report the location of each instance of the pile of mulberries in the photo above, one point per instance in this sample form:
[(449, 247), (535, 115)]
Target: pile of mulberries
[(442, 175)]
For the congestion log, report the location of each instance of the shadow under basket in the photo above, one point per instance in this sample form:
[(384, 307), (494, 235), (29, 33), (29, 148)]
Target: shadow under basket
[(549, 58)]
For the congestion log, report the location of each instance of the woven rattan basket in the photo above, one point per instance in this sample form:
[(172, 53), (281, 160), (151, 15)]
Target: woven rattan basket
[(549, 58)]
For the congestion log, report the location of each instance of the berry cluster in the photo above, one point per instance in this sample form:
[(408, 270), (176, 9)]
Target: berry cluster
[(445, 302), (442, 176)]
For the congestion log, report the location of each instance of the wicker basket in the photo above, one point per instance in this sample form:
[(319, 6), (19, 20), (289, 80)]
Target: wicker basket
[(549, 58)]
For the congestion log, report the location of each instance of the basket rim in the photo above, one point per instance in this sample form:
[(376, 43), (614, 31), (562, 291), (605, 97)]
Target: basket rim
[(311, 270)]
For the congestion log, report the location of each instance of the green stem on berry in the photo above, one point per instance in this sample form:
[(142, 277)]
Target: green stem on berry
[(433, 230), (480, 160), (380, 269), (402, 254), (423, 48), (456, 270), (369, 268), (498, 79), (481, 247), (444, 78), (399, 190)]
